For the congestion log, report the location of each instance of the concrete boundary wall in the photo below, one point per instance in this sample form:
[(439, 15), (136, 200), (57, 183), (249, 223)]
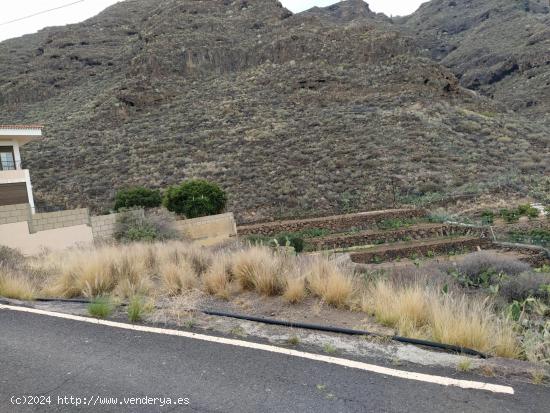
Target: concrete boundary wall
[(16, 235), (10, 214), (34, 233), (208, 230), (59, 219), (103, 226)]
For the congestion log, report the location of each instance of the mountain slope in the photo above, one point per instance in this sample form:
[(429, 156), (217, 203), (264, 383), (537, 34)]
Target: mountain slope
[(499, 47), (292, 114)]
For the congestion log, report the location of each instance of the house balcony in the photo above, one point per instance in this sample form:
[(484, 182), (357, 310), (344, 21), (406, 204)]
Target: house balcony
[(11, 172)]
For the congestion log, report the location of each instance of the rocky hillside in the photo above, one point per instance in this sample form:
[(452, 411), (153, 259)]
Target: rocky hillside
[(326, 111), (500, 48)]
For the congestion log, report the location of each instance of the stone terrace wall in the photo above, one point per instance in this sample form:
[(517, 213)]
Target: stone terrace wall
[(59, 219), (10, 214), (533, 254), (362, 220), (395, 251), (416, 232)]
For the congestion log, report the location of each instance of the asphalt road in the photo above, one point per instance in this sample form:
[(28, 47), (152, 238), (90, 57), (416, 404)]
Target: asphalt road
[(46, 356)]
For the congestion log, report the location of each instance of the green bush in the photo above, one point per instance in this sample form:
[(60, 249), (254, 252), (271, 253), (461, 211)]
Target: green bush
[(137, 197), (100, 307), (136, 308), (136, 226), (487, 217), (528, 210), (195, 198), (510, 216), (292, 241), (535, 236)]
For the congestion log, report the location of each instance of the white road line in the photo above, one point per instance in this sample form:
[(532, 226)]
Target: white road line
[(428, 378)]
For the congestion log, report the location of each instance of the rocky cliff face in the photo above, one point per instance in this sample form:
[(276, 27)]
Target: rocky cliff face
[(332, 110), (500, 48)]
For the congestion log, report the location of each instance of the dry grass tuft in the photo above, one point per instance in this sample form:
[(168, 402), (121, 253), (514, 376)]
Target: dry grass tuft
[(217, 279), (421, 311), (295, 289), (15, 285), (178, 277), (408, 311), (327, 281), (258, 268), (123, 270)]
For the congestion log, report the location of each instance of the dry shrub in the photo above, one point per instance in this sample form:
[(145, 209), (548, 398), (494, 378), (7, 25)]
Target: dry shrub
[(295, 289), (525, 285), (421, 311), (328, 281), (81, 273), (11, 258), (106, 269), (258, 268), (406, 309), (16, 285), (483, 261), (178, 277), (200, 258), (217, 279)]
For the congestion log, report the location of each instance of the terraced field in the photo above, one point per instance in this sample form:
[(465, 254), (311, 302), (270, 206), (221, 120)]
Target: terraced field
[(375, 236)]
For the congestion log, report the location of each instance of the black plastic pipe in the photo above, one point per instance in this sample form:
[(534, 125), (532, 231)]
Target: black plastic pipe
[(316, 327), (349, 331), (64, 300)]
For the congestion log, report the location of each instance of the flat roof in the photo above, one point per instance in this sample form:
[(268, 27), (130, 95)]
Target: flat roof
[(22, 134), (21, 126)]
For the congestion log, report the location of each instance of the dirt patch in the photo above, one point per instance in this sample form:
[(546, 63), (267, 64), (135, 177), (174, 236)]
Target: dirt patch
[(310, 311)]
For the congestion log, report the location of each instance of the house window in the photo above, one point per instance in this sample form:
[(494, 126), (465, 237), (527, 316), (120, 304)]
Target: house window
[(7, 160)]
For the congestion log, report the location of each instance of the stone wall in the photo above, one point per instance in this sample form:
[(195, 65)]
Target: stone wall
[(362, 220), (535, 255), (416, 232), (59, 219), (10, 214), (405, 251)]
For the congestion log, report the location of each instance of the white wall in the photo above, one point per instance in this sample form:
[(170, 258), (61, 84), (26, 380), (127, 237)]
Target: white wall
[(17, 236)]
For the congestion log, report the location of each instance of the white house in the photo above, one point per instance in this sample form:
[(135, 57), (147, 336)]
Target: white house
[(15, 182)]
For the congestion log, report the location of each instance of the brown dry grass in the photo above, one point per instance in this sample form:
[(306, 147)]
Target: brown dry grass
[(258, 268), (329, 282), (295, 289), (418, 310), (175, 269), (178, 277), (15, 285), (217, 279)]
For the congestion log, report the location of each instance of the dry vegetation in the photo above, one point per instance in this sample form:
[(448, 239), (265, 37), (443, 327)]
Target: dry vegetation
[(423, 311), (175, 269), (299, 107)]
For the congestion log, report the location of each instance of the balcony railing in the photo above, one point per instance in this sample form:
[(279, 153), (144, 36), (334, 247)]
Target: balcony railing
[(10, 165)]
